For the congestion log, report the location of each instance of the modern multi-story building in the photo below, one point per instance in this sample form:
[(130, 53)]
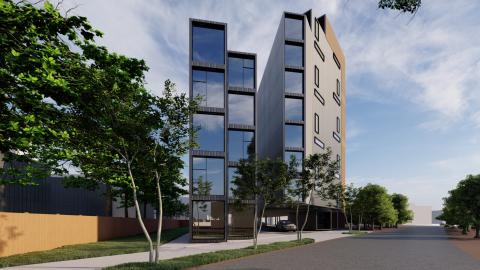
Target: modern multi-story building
[(301, 102), (300, 110), (226, 82)]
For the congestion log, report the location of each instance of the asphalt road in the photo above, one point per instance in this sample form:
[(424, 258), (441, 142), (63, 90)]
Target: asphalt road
[(410, 247)]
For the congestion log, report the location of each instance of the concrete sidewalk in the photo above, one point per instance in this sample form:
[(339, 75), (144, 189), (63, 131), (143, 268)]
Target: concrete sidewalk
[(179, 248)]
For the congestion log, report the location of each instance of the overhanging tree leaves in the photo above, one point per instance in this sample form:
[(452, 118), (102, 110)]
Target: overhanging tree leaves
[(410, 6), (40, 73)]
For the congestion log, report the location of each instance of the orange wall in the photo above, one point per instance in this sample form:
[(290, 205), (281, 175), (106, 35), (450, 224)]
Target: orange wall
[(25, 232)]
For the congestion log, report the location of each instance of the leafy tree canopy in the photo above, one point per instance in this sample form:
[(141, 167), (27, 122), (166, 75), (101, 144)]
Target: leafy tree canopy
[(410, 6)]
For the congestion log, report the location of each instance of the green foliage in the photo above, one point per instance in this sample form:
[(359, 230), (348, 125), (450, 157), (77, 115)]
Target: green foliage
[(212, 257), (462, 206), (40, 73), (400, 203), (375, 204), (410, 6), (103, 248)]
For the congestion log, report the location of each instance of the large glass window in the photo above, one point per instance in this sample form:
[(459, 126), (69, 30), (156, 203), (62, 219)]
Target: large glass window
[(294, 82), (208, 176), (293, 136), (210, 86), (241, 72), (208, 45), (293, 109), (293, 28), (208, 220), (298, 156), (239, 221), (293, 55), (239, 143), (241, 109), (210, 135)]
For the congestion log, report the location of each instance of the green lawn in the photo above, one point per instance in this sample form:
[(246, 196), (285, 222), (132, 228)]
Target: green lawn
[(212, 257), (104, 248)]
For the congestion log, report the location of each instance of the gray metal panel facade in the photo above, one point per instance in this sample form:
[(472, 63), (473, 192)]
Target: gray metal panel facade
[(270, 104)]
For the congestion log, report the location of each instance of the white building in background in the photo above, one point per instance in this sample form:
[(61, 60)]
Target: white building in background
[(422, 214)]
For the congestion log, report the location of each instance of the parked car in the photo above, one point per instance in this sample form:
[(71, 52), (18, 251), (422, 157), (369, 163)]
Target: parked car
[(286, 225)]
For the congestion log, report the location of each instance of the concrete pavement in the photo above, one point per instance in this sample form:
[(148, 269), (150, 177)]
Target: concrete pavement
[(179, 248), (409, 248)]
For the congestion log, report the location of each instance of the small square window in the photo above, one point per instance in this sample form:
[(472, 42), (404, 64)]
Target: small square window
[(317, 76)]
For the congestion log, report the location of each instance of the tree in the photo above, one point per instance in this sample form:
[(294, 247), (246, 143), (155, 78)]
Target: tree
[(346, 196), (374, 203), (410, 6), (263, 180), (43, 68), (400, 203), (462, 207), (318, 173), (298, 189)]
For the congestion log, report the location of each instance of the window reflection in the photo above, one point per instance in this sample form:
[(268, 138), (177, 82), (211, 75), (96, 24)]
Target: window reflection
[(298, 156), (232, 172), (210, 86), (208, 220), (293, 82), (239, 143), (241, 72), (210, 134), (293, 109), (240, 109), (293, 28), (208, 45), (293, 55), (208, 176), (239, 221), (293, 136)]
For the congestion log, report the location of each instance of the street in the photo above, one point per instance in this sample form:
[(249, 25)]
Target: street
[(410, 247)]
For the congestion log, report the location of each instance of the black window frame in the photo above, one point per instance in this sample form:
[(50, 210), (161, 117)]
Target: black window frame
[(338, 125), (318, 142), (339, 91), (336, 137), (319, 51), (317, 76), (244, 67), (319, 96), (336, 61), (316, 123)]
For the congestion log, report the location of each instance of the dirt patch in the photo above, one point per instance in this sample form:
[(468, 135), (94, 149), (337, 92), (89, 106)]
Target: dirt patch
[(465, 242)]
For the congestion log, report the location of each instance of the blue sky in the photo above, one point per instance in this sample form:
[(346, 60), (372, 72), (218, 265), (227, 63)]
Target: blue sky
[(413, 103)]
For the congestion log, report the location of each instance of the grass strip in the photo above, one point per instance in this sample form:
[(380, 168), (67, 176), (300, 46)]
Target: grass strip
[(103, 248), (211, 257)]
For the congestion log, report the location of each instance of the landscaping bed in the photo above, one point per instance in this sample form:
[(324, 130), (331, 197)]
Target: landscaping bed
[(211, 257)]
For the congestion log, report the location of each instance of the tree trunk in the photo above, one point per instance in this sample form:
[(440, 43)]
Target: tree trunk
[(296, 221), (260, 228), (308, 211), (139, 214), (351, 219), (373, 225), (255, 217), (160, 218), (477, 230)]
